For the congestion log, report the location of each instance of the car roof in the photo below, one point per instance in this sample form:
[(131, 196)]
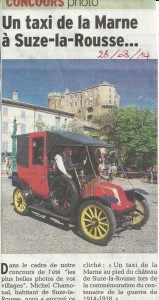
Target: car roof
[(67, 138)]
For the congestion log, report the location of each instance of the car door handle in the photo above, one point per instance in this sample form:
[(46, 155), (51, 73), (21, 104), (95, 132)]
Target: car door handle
[(42, 179)]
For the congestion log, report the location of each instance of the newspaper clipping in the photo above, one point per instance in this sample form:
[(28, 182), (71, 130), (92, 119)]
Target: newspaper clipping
[(79, 170)]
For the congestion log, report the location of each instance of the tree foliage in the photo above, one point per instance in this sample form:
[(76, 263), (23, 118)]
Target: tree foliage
[(71, 126), (134, 132)]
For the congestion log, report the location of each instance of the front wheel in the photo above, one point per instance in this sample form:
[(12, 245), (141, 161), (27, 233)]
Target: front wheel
[(141, 214), (20, 202), (96, 222)]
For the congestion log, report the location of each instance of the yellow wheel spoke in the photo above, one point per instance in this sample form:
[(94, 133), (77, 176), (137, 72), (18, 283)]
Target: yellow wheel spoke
[(103, 223), (88, 225), (103, 218), (90, 217), (103, 229), (91, 212), (100, 233), (90, 231), (100, 212), (95, 212), (86, 220), (95, 232)]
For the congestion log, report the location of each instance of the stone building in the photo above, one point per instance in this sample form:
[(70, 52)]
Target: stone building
[(86, 103), (27, 116)]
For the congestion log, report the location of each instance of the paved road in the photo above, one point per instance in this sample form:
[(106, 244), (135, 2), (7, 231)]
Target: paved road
[(30, 234)]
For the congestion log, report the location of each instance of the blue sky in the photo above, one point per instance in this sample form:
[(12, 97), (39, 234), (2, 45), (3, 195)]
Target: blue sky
[(136, 80)]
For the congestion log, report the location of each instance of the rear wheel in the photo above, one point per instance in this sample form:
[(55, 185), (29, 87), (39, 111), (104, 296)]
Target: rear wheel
[(140, 214), (96, 222), (19, 201), (64, 195)]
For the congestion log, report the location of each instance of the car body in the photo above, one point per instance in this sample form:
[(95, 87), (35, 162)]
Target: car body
[(97, 206), (124, 172)]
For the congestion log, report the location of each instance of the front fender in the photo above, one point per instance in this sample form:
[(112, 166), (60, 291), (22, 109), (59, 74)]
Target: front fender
[(133, 194)]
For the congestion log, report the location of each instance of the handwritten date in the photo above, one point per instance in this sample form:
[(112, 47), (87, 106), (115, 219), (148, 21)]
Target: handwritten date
[(124, 54)]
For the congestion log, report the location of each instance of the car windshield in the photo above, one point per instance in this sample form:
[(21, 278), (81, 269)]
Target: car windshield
[(88, 157)]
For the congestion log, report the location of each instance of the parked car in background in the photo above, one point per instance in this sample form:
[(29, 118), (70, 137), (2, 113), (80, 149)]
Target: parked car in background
[(125, 172)]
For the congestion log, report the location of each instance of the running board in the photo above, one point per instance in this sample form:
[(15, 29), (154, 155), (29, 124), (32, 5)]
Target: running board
[(49, 213)]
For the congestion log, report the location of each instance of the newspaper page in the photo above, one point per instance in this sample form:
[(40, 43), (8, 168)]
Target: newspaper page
[(79, 217)]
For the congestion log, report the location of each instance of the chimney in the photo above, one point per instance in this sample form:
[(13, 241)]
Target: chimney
[(15, 96)]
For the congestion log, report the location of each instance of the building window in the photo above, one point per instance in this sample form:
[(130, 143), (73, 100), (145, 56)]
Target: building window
[(5, 111), (39, 117), (71, 103), (57, 122), (70, 96), (23, 114), (4, 146), (76, 103), (65, 121), (4, 127), (90, 109), (22, 128)]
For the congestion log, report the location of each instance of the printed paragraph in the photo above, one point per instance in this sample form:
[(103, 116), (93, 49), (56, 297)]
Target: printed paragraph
[(118, 279), (38, 281)]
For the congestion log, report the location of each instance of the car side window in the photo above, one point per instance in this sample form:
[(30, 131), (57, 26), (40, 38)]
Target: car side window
[(38, 151)]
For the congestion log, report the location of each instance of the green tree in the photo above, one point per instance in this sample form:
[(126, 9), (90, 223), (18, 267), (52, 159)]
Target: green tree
[(134, 132), (71, 126), (41, 126)]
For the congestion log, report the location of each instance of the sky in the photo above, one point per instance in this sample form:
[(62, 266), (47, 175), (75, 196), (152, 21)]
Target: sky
[(135, 80)]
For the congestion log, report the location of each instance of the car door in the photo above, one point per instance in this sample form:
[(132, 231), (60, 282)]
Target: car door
[(38, 167)]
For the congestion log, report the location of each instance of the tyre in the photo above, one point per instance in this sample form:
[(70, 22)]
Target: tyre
[(141, 214), (96, 222), (20, 202), (64, 195)]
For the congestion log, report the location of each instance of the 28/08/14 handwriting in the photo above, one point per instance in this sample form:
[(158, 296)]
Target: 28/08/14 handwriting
[(124, 54)]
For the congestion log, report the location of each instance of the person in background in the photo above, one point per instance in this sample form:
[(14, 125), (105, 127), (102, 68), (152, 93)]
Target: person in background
[(8, 164), (96, 160), (114, 170), (110, 172)]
